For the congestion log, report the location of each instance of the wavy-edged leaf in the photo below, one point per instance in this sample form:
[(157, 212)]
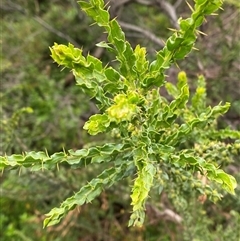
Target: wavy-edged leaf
[(140, 191), (41, 160)]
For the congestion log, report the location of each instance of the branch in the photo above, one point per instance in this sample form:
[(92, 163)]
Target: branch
[(166, 214), (170, 10), (115, 5), (144, 2), (16, 7), (144, 32), (55, 31), (177, 4), (118, 3)]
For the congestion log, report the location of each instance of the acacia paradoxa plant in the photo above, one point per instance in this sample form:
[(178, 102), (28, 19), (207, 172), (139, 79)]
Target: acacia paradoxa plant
[(150, 131)]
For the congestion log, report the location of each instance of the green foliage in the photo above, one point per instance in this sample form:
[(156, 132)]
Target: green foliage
[(29, 79), (156, 139), (234, 2), (9, 125)]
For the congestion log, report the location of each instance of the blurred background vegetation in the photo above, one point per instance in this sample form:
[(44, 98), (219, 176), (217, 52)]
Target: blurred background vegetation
[(43, 109)]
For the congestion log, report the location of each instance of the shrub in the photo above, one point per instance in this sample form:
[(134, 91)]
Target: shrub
[(165, 143)]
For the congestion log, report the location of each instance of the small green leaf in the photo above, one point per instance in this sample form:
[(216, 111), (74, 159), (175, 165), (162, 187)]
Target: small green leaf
[(96, 124), (174, 42), (123, 109), (185, 24)]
